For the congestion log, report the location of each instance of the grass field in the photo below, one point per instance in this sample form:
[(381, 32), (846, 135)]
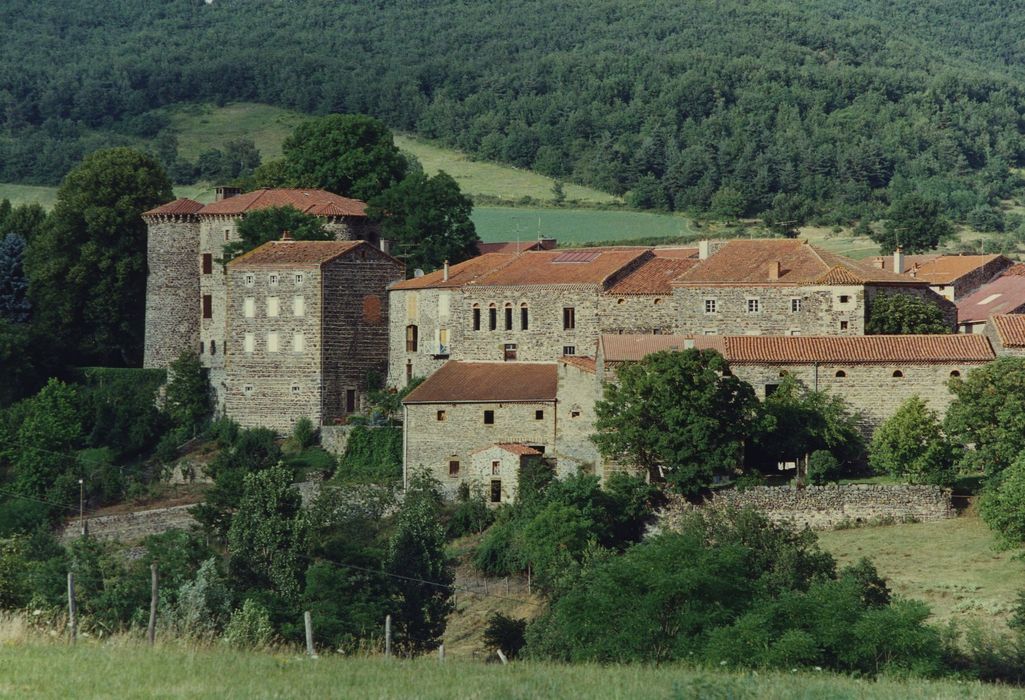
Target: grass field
[(28, 194), (130, 670), (952, 565)]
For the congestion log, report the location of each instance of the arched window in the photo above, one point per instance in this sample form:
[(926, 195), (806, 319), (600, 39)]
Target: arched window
[(783, 373), (476, 317), (955, 373), (412, 336), (508, 316), (897, 374), (840, 374), (524, 317), (492, 317), (213, 347), (658, 301)]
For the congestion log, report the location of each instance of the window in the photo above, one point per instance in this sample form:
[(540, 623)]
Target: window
[(524, 317), (569, 349), (442, 415), (443, 341), (247, 389), (657, 302), (273, 279), (575, 413), (299, 306), (202, 348), (489, 417), (569, 318), (227, 233), (955, 373), (539, 414), (249, 307), (509, 352), (296, 390), (249, 343), (897, 374), (844, 298), (272, 342), (476, 317), (496, 490), (350, 400), (249, 278), (208, 306), (409, 370), (298, 342), (412, 335), (795, 305), (273, 307), (710, 306), (213, 347), (453, 467), (492, 318), (496, 467), (208, 263), (299, 278), (840, 374), (770, 389), (508, 317), (753, 306), (843, 325)]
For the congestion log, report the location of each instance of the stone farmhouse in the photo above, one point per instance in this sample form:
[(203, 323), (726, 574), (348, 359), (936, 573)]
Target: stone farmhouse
[(1004, 294), (307, 324), (951, 276), (1006, 333)]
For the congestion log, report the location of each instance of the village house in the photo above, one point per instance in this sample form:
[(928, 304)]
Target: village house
[(307, 328), (1003, 295), (1006, 333), (951, 276), (186, 286)]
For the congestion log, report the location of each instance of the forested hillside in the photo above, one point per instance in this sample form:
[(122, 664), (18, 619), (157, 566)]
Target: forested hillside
[(697, 105)]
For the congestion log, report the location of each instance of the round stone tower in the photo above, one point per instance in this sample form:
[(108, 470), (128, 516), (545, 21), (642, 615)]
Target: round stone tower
[(172, 283)]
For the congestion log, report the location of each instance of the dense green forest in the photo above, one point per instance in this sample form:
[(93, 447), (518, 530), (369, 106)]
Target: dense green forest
[(693, 105)]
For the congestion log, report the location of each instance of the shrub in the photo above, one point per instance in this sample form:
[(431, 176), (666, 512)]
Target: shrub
[(204, 603), (372, 455), (910, 444), (823, 467), (505, 633), (249, 627), (472, 514), (1002, 505)]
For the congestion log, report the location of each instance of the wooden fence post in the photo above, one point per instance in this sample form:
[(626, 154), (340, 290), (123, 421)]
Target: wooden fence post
[(72, 608), (387, 636), (309, 634), (441, 653), (502, 657), (151, 632)]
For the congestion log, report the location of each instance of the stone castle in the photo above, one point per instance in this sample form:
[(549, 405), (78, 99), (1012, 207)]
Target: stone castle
[(516, 345)]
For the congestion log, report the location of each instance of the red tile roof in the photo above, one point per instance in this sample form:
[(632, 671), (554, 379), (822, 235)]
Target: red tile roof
[(759, 349), (518, 448), (178, 207), (488, 382), (939, 269), (1004, 295), (292, 253), (747, 262), (865, 349), (580, 361), (458, 275), (316, 202), (516, 246), (1010, 329), (652, 277)]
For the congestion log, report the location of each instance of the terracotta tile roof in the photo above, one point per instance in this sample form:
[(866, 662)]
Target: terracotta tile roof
[(1010, 329), (865, 349), (677, 253), (939, 269), (488, 382), (458, 275), (316, 202), (1004, 295), (578, 266), (631, 347), (747, 262), (582, 361), (518, 448), (292, 253), (517, 246), (886, 261), (178, 207), (652, 277)]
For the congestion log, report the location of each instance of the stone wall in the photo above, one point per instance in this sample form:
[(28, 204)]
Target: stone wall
[(132, 527), (578, 391), (214, 233), (335, 438), (831, 505), (172, 289), (823, 310), (430, 311), (636, 313)]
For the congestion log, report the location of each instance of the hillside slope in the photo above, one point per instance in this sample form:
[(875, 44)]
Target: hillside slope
[(847, 103)]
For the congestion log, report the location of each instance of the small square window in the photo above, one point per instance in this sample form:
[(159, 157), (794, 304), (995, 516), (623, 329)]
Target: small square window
[(753, 306), (539, 414), (496, 468), (569, 349), (295, 390), (844, 298), (710, 306), (299, 278), (273, 279), (795, 305), (249, 278), (442, 415), (247, 389), (843, 325), (489, 417), (574, 413), (453, 467)]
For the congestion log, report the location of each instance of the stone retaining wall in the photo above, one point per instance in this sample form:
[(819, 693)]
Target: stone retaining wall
[(335, 438), (132, 527), (822, 507)]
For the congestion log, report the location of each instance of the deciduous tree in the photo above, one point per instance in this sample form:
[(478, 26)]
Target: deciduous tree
[(988, 412), (911, 445), (914, 224), (902, 314)]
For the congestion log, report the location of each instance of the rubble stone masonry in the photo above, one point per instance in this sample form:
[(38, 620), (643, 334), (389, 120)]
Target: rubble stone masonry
[(172, 288)]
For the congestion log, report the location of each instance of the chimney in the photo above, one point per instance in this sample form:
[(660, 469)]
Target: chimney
[(879, 262), (773, 270), (445, 276), (702, 250), (286, 236), (898, 261), (385, 246), (225, 192)]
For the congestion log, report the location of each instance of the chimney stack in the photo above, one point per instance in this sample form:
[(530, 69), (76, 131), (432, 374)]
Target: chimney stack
[(286, 235), (898, 261), (879, 262), (225, 192), (702, 250), (773, 270), (385, 246), (445, 275)]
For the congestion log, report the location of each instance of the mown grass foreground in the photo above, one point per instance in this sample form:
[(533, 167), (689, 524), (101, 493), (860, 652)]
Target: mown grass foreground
[(128, 670)]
